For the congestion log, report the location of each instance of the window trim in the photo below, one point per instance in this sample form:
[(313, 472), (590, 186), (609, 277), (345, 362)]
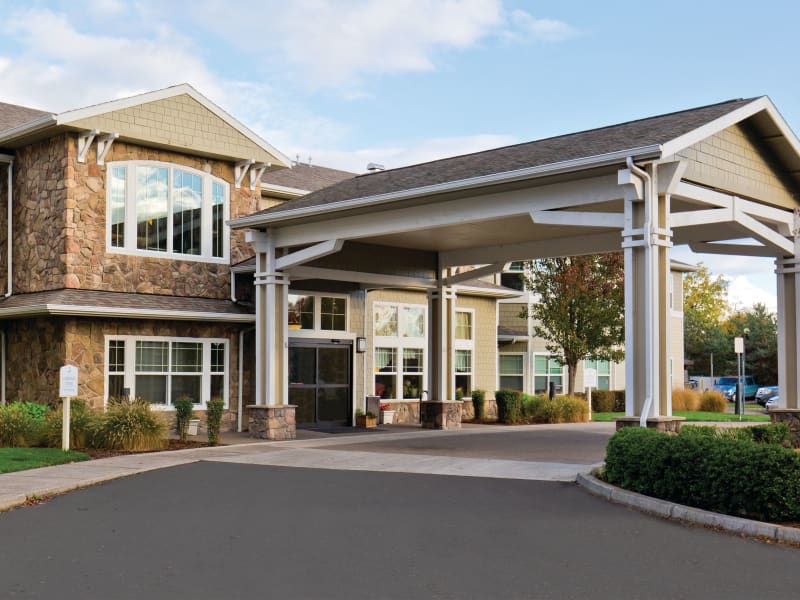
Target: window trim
[(548, 374), (399, 343), (317, 329), (129, 366), (206, 215), (523, 374)]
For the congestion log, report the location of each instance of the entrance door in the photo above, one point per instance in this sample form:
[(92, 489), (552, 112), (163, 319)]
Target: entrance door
[(320, 381)]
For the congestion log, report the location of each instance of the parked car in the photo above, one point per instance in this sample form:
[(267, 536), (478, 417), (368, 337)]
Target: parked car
[(766, 392), (771, 403), (727, 387)]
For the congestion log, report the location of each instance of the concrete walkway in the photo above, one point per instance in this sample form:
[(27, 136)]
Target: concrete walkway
[(474, 451)]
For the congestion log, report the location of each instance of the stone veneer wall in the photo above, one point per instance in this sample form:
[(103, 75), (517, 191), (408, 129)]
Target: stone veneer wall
[(89, 266), (34, 353), (84, 347), (40, 194)]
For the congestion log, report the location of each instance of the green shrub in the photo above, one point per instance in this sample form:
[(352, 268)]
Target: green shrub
[(37, 411), (183, 414), (479, 404), (572, 409), (561, 409), (213, 420), (731, 476), (508, 406), (712, 401), (18, 429), (531, 406), (130, 426), (608, 401), (776, 434), (82, 423)]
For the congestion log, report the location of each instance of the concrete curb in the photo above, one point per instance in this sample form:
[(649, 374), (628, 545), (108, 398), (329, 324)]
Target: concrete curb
[(670, 510)]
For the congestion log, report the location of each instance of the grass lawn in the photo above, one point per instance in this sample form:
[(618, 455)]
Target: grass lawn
[(19, 459), (692, 415)]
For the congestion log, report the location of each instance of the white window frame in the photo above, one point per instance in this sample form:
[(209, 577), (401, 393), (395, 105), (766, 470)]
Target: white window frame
[(535, 374), (130, 366), (317, 329), (465, 344), (400, 343), (523, 374), (130, 248)]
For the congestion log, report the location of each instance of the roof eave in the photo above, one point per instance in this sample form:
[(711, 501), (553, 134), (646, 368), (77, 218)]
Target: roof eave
[(653, 151), (129, 313), (28, 128)]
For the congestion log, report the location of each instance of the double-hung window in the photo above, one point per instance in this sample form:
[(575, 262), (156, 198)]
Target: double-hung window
[(158, 209), (399, 356), (465, 351), (511, 369), (161, 370)]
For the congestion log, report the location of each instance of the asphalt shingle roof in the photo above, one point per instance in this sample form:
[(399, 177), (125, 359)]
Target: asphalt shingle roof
[(594, 142), (305, 177), (13, 115)]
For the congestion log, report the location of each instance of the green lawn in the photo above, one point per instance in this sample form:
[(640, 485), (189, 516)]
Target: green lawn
[(692, 415), (19, 459)]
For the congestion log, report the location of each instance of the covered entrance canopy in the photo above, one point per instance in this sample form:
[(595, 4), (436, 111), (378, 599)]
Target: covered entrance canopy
[(701, 177)]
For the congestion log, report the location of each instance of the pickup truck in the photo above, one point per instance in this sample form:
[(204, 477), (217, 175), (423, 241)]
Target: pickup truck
[(727, 387)]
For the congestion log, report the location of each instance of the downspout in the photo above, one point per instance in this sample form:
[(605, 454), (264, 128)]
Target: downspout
[(10, 248), (648, 292), (241, 378), (3, 367)]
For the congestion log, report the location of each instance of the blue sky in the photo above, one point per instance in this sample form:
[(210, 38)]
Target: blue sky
[(403, 81)]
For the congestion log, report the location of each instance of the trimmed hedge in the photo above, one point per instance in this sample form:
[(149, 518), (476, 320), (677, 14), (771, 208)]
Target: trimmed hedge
[(708, 470), (509, 406), (479, 404)]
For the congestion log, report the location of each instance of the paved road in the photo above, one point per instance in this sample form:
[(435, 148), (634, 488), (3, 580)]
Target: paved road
[(225, 530)]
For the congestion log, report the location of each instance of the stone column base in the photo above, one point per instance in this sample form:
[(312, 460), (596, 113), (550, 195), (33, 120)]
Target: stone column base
[(664, 424), (274, 422), (445, 414), (791, 417)]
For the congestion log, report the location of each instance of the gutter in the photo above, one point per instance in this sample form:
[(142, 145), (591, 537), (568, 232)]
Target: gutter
[(652, 151), (130, 313), (30, 127)]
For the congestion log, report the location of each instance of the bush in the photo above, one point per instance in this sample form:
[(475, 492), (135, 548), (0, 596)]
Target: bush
[(82, 422), (18, 429), (129, 426), (509, 404), (712, 401), (213, 420), (712, 472), (561, 409), (776, 434), (572, 410), (37, 412), (531, 406), (608, 401), (183, 414), (479, 404), (683, 399)]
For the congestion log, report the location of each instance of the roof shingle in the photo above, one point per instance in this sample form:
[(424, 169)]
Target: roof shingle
[(305, 177), (13, 115)]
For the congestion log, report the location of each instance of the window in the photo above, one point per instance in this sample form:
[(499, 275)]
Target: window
[(322, 313), (514, 276), (511, 370), (161, 370), (465, 346), (167, 209), (399, 360), (603, 368), (547, 369), (463, 325), (463, 373)]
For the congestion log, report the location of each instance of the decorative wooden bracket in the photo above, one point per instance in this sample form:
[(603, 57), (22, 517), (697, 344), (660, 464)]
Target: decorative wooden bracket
[(85, 140), (104, 145), (256, 171), (240, 170)]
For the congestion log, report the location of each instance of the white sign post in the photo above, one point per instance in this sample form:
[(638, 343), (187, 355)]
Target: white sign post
[(589, 382), (67, 389), (738, 348)]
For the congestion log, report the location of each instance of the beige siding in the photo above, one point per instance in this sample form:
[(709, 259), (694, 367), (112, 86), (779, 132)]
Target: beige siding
[(178, 122), (735, 161), (484, 356), (509, 316)]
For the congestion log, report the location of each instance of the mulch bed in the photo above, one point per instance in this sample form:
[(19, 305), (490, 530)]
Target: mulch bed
[(172, 444)]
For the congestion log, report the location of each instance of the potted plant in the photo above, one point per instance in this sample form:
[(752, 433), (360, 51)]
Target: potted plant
[(366, 420), (387, 413)]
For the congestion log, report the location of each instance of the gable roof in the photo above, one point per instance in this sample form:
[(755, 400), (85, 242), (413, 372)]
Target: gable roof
[(303, 178), (80, 119), (653, 137), (13, 115)]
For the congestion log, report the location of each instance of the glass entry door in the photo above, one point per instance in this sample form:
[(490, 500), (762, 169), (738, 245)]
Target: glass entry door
[(320, 381)]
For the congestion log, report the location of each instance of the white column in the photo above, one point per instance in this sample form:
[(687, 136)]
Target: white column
[(271, 364), (788, 334), (441, 353)]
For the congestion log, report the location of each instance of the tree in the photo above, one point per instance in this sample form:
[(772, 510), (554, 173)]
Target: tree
[(580, 307), (759, 327), (705, 307)]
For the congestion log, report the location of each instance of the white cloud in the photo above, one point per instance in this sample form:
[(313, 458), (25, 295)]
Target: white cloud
[(743, 294), (526, 25)]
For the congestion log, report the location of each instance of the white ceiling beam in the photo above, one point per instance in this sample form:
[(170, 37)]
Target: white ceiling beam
[(377, 279), (691, 218), (733, 249), (578, 218), (764, 234), (565, 246), (669, 175), (308, 254), (473, 209), (701, 194), (475, 273)]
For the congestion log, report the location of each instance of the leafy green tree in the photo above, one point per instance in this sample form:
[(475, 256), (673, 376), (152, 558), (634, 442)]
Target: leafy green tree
[(580, 307), (759, 327), (705, 307)]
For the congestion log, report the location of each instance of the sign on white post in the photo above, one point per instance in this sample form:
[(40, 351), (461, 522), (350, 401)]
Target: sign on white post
[(590, 378), (67, 389), (738, 345)]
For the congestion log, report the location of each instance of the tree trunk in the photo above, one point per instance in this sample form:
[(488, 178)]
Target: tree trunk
[(571, 372)]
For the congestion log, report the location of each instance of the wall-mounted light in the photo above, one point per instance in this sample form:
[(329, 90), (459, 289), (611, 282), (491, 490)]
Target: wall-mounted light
[(361, 345)]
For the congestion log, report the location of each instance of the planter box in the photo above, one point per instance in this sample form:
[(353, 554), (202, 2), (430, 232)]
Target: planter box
[(194, 425), (387, 416), (366, 422)]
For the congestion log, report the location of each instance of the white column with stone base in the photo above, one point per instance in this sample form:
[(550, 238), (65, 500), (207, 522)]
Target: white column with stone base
[(788, 273), (441, 410)]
